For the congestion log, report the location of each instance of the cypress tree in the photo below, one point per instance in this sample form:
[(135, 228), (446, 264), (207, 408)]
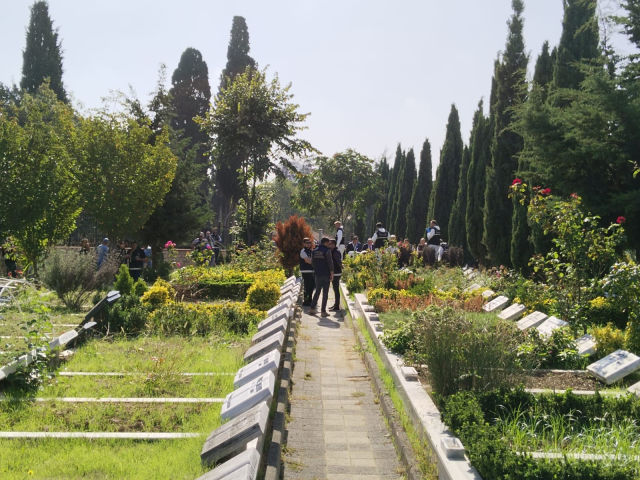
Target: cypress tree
[(238, 58), (419, 205), (457, 227), (405, 183), (579, 42), (393, 224), (445, 188), (511, 90), (543, 73), (42, 57), (393, 180), (380, 214)]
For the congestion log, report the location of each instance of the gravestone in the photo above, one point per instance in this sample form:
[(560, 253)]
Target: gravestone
[(532, 320), (547, 327), (488, 294), (615, 366), (280, 306), (264, 364), (586, 345), (378, 326), (235, 434), (496, 305), (514, 312), (409, 373), (243, 473), (274, 342), (111, 297), (368, 308), (472, 275), (249, 457), (280, 326), (373, 317), (63, 339), (471, 288), (248, 396), (282, 315)]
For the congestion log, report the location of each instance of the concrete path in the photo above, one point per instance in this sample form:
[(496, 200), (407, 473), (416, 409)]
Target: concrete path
[(336, 429)]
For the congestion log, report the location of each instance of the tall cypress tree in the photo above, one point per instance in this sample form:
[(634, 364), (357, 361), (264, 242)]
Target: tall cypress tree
[(238, 58), (457, 226), (543, 73), (419, 205), (42, 57), (511, 90), (405, 183), (380, 214), (445, 188), (393, 224), (579, 42), (480, 150), (393, 180)]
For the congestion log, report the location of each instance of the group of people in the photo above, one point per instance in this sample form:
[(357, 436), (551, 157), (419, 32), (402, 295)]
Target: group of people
[(209, 241), (321, 265), (129, 253)]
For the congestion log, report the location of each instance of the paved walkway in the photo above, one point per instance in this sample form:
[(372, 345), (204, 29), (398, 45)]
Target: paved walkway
[(336, 430)]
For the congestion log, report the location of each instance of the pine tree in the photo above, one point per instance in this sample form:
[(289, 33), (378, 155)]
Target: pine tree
[(42, 56), (405, 188), (480, 150), (457, 226), (393, 226), (445, 188), (511, 90), (419, 205), (380, 213), (238, 58), (578, 43), (393, 180), (543, 73)]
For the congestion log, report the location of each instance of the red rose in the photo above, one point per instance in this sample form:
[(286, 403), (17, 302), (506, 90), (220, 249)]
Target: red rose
[(517, 181), (621, 220), (574, 195), (546, 191)]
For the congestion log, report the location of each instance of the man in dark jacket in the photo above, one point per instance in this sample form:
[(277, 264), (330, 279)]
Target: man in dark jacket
[(337, 274), (306, 269), (354, 246), (323, 271)]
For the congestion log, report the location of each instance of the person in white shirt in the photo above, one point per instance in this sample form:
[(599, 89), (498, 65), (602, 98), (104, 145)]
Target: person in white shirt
[(433, 239), (340, 240)]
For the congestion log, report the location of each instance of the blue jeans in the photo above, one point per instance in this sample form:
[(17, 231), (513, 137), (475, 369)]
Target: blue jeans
[(322, 285)]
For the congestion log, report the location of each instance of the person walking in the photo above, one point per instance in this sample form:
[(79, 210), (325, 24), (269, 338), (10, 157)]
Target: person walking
[(354, 246), (137, 260), (340, 240), (215, 241), (323, 272), (102, 250), (380, 237), (336, 256), (433, 239), (306, 269)]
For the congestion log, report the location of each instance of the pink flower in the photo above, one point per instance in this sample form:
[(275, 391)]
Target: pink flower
[(517, 181), (208, 247), (621, 220), (169, 244), (574, 195), (546, 191), (178, 264)]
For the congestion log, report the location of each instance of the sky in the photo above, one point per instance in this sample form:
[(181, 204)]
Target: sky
[(372, 73)]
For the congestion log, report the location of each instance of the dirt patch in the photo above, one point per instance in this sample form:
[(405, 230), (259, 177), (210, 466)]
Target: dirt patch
[(561, 381)]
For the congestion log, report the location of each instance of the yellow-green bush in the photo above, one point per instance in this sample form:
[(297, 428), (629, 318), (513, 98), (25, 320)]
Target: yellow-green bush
[(373, 296), (608, 339), (140, 287), (158, 295), (263, 296)]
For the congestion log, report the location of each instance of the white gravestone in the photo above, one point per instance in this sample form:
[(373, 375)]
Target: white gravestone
[(368, 308), (235, 435), (280, 326), (615, 366), (373, 317), (89, 325), (274, 342), (547, 327), (243, 473), (532, 320), (63, 339), (287, 297), (264, 364), (496, 304), (248, 396), (488, 294), (471, 288), (280, 306), (410, 374), (514, 312), (291, 289), (586, 345), (249, 457), (267, 322)]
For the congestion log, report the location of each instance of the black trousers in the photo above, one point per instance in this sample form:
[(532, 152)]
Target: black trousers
[(309, 287), (322, 285), (336, 290)]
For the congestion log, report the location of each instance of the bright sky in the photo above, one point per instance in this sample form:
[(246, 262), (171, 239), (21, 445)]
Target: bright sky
[(371, 72)]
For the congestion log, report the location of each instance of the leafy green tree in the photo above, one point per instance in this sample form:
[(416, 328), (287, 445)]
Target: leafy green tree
[(405, 188), (42, 56), (445, 188), (339, 186), (480, 151), (393, 184), (40, 200), (125, 170), (457, 226), (511, 90), (255, 121), (419, 204), (261, 217)]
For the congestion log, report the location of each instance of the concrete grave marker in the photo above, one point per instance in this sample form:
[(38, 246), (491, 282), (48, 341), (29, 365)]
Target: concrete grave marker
[(281, 306), (274, 342), (373, 317), (63, 339), (409, 373), (496, 304), (586, 345), (532, 320), (234, 435), (378, 326), (282, 315), (248, 396), (89, 325), (549, 325), (471, 288), (264, 364), (243, 473), (368, 308), (514, 312), (488, 294), (249, 457), (615, 366), (280, 326)]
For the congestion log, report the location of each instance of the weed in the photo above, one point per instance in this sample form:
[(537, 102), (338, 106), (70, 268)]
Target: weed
[(357, 394), (308, 376)]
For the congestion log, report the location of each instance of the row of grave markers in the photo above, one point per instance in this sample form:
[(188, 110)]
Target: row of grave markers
[(608, 370), (63, 339), (239, 442)]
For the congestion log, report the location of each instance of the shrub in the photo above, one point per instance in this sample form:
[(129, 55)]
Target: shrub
[(263, 296), (127, 315), (124, 281), (465, 353), (157, 296), (557, 350), (454, 256), (608, 339), (399, 339), (74, 276), (140, 287), (289, 240)]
